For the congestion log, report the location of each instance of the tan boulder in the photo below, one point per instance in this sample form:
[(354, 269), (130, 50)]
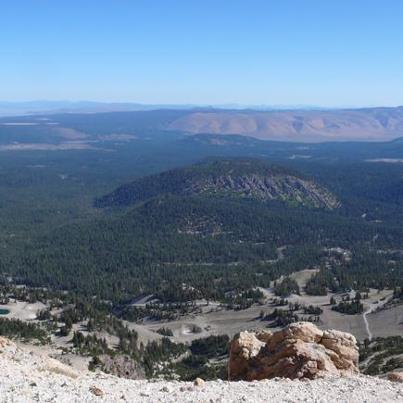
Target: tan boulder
[(243, 349), (96, 391), (300, 350), (305, 331), (199, 382), (395, 376)]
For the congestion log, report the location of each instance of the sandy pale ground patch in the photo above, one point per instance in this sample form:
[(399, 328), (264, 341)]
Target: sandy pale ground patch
[(27, 387), (23, 310)]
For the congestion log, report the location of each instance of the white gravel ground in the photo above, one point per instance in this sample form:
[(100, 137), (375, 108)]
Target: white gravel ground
[(26, 376)]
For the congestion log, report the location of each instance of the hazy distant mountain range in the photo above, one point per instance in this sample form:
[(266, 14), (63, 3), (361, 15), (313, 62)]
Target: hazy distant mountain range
[(43, 106), (265, 123), (298, 125)]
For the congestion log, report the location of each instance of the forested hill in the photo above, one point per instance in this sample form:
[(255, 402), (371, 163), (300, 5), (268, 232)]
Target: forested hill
[(184, 243), (240, 178), (213, 245)]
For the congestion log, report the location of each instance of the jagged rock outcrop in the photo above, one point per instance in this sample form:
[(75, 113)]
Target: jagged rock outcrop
[(235, 178), (122, 366), (301, 350), (266, 187)]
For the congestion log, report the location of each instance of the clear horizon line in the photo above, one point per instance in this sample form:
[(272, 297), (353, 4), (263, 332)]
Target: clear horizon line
[(235, 105)]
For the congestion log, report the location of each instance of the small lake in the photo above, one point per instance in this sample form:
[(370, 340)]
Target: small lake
[(4, 311)]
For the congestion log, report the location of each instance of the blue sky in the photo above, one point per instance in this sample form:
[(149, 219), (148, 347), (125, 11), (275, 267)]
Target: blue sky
[(283, 52)]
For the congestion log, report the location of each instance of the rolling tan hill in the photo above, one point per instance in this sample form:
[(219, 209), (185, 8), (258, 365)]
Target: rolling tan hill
[(303, 125)]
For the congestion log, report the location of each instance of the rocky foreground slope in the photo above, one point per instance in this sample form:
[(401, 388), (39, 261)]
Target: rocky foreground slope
[(30, 375)]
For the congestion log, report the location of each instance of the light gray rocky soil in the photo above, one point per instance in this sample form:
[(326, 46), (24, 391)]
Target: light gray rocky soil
[(28, 376)]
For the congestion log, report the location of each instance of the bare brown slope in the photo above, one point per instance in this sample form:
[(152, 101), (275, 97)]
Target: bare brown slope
[(339, 125)]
